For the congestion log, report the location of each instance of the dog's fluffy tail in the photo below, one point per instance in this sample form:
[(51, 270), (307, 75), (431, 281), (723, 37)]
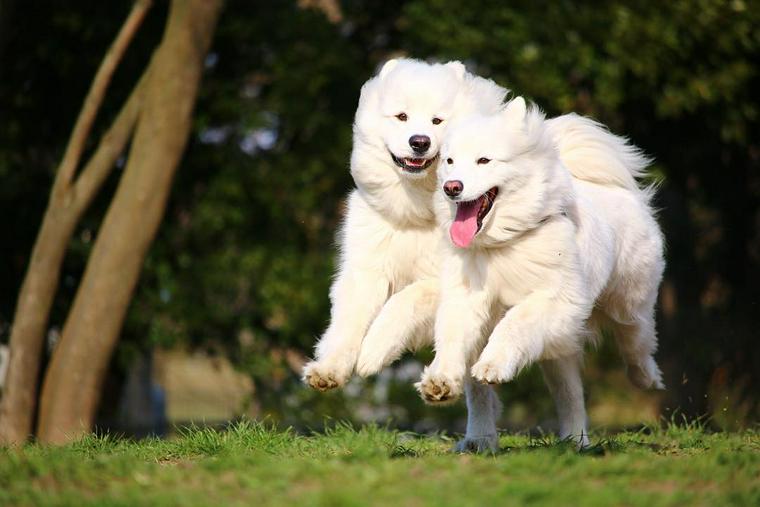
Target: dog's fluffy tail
[(592, 153)]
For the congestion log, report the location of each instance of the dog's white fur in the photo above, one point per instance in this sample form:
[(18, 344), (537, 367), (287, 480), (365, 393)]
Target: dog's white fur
[(570, 245), (386, 286)]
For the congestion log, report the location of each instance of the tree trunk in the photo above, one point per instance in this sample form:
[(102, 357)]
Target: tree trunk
[(68, 201), (19, 401), (28, 333), (72, 385)]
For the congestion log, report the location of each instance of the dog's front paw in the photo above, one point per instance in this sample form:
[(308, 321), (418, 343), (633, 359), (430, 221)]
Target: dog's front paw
[(493, 370), (323, 377), (478, 445), (371, 360), (437, 388)]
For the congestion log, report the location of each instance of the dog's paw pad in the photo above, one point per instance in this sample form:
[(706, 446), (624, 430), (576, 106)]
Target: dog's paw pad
[(436, 389), (320, 378)]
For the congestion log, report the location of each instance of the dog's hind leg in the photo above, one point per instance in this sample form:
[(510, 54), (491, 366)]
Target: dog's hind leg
[(407, 315), (630, 304), (637, 341), (356, 297), (483, 409), (563, 378)]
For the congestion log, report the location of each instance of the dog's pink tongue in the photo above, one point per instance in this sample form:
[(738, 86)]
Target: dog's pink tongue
[(465, 224)]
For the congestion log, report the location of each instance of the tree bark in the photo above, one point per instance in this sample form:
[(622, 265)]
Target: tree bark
[(68, 201), (72, 385)]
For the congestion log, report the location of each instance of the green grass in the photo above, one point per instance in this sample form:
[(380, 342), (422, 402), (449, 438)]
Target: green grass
[(250, 464)]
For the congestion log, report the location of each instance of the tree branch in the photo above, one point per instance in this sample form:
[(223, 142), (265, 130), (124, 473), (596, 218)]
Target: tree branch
[(111, 145), (75, 147)]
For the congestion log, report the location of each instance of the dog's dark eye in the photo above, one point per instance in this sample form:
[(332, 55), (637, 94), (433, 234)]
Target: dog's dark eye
[(449, 161), (483, 160), (437, 121), (402, 117)]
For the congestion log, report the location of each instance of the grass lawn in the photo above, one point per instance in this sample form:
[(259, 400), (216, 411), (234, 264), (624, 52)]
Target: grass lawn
[(250, 464)]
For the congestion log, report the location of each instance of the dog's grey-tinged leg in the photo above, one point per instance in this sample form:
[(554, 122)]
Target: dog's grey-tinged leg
[(563, 378), (483, 409)]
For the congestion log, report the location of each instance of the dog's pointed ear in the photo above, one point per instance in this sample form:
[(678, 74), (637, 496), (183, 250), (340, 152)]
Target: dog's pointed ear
[(515, 110), (389, 66), (458, 68)]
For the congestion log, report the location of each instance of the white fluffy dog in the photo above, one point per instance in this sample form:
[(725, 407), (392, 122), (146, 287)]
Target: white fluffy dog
[(551, 238), (389, 240)]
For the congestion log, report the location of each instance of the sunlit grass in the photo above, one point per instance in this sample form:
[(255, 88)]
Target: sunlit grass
[(256, 464)]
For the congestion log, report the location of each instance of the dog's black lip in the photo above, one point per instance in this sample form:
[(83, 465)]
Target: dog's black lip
[(400, 163), (490, 199)]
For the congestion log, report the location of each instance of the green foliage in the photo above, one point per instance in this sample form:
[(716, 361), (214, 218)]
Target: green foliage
[(253, 463)]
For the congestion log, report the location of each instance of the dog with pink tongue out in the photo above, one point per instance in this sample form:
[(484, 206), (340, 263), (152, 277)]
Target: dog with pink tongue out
[(551, 239), (385, 291)]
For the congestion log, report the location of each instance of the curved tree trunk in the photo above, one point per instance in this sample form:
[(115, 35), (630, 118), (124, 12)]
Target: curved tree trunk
[(72, 385), (68, 201), (28, 334)]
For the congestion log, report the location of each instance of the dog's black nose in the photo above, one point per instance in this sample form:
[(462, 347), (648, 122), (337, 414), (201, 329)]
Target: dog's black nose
[(419, 144), (453, 188)]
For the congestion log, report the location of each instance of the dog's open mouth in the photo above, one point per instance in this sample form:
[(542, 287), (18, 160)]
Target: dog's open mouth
[(469, 218), (413, 165)]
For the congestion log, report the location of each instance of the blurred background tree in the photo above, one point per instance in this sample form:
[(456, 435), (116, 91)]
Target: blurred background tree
[(243, 260)]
